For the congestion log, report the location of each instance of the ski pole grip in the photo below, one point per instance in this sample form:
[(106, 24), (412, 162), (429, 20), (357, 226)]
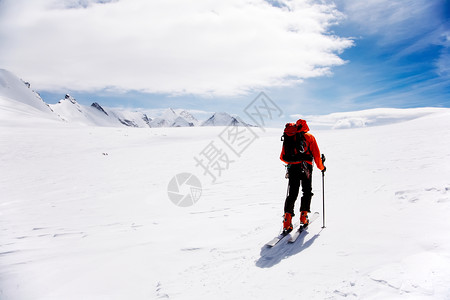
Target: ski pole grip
[(323, 158)]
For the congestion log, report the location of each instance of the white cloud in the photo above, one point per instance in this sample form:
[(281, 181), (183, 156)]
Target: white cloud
[(203, 47), (366, 118), (412, 26), (443, 62), (392, 19), (416, 23)]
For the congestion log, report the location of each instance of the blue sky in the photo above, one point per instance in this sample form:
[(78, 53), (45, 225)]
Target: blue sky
[(310, 58)]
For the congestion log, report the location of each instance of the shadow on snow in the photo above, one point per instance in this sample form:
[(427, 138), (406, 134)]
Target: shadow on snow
[(271, 256)]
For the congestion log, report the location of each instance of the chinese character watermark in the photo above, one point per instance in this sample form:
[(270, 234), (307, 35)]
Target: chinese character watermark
[(262, 108), (213, 160), (238, 138), (218, 155)]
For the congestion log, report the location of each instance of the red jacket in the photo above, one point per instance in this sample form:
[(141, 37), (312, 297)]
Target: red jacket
[(312, 145)]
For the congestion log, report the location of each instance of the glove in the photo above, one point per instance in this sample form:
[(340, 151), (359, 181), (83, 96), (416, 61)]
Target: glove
[(324, 169)]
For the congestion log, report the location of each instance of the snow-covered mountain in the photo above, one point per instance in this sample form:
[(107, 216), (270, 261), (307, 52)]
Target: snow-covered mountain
[(13, 88), (19, 104), (96, 115), (188, 117), (223, 119), (174, 118), (69, 110), (17, 97)]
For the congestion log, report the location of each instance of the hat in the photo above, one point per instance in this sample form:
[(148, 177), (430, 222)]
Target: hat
[(302, 126)]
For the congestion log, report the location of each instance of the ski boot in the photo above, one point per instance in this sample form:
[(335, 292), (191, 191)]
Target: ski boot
[(304, 221), (287, 223)]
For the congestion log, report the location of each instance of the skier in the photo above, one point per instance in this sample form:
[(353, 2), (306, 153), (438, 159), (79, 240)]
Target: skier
[(299, 171)]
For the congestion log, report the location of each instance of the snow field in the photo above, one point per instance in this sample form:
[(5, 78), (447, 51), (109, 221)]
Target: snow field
[(84, 214)]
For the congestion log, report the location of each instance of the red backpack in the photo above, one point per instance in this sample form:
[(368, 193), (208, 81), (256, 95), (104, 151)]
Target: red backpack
[(295, 149)]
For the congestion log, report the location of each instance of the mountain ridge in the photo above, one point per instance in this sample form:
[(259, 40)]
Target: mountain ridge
[(13, 90)]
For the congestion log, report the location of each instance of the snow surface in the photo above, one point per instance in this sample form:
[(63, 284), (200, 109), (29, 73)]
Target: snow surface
[(85, 213)]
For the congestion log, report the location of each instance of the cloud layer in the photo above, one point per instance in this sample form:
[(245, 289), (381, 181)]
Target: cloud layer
[(367, 118), (201, 47)]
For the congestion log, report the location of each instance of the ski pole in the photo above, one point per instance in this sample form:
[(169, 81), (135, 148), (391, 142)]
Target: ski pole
[(323, 191), (287, 177)]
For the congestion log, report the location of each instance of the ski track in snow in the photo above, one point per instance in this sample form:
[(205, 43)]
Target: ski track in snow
[(84, 214)]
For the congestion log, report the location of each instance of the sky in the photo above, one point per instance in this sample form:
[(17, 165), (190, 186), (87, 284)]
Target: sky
[(310, 57)]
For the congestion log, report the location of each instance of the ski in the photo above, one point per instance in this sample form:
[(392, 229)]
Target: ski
[(297, 233), (281, 236)]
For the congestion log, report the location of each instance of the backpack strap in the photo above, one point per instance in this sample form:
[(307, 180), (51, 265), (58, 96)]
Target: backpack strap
[(303, 154)]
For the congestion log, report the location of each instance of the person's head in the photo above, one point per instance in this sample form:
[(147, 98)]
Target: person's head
[(302, 126)]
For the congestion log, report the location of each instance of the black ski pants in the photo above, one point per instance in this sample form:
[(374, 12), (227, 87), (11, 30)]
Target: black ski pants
[(299, 173)]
